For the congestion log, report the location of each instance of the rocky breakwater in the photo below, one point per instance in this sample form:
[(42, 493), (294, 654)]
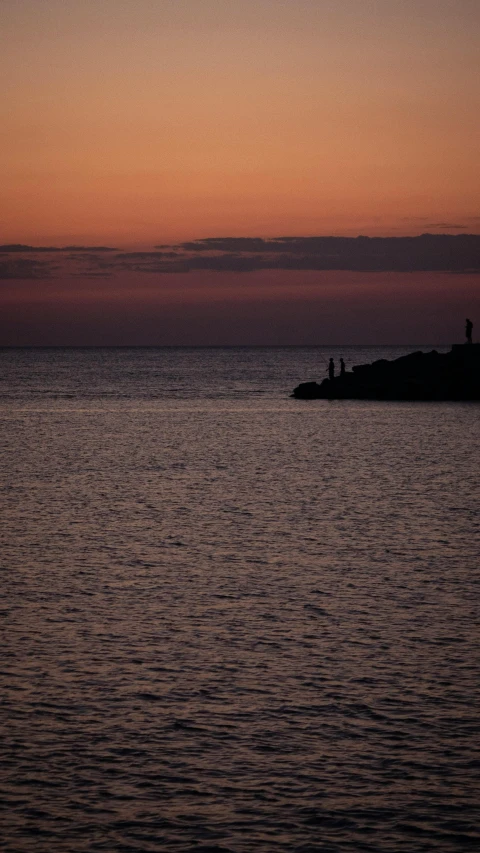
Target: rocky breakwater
[(454, 375)]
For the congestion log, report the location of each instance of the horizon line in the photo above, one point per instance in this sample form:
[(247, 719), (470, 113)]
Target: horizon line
[(219, 346)]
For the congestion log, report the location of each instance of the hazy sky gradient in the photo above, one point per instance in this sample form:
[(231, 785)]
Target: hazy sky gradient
[(157, 120), (137, 124)]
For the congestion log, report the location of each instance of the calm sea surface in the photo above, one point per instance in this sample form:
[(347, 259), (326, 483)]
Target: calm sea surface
[(234, 621)]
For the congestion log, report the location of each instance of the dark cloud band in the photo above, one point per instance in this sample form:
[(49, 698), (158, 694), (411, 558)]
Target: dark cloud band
[(426, 253)]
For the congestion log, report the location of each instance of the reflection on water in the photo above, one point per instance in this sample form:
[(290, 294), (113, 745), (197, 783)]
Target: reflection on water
[(234, 621)]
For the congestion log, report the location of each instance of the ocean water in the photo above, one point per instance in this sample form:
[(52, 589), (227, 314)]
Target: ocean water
[(234, 621)]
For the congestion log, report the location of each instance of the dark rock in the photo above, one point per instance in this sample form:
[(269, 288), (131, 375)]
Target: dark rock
[(308, 391), (418, 376)]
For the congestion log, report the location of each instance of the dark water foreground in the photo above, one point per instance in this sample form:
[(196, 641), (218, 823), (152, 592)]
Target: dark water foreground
[(233, 623)]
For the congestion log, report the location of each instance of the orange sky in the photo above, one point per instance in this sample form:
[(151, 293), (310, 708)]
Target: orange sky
[(160, 120), (136, 124)]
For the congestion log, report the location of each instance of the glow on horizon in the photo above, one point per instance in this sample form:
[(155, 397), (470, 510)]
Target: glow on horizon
[(269, 307)]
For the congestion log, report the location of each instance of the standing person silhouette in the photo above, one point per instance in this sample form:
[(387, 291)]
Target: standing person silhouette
[(342, 367), (331, 369), (468, 330)]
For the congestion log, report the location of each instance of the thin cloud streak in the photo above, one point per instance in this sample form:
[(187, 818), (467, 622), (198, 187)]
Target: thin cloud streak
[(450, 225), (17, 248)]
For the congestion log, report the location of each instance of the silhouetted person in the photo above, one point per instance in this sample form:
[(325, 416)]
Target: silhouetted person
[(468, 330), (331, 369), (342, 367)]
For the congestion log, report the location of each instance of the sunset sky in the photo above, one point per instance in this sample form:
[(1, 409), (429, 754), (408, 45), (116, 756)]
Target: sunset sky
[(138, 125)]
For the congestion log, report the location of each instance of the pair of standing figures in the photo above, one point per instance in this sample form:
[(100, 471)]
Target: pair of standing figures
[(331, 368)]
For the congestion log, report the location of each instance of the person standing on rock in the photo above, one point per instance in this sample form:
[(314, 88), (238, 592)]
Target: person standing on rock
[(468, 330), (331, 369), (342, 367)]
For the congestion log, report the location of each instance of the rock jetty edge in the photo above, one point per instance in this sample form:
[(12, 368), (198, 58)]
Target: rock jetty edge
[(454, 375)]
